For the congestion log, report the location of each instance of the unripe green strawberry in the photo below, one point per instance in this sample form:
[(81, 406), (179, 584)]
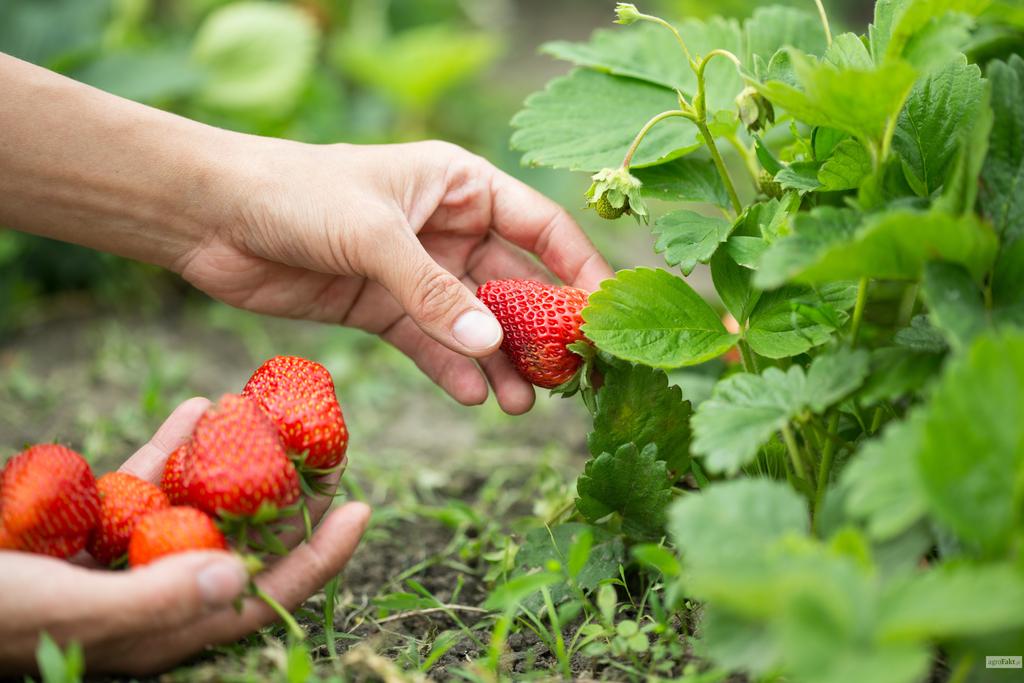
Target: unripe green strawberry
[(769, 186), (124, 499), (172, 530), (605, 209), (48, 500), (539, 321), (237, 463), (298, 396)]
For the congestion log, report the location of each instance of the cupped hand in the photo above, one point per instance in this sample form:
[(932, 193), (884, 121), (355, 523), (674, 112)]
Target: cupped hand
[(392, 239), (147, 619)]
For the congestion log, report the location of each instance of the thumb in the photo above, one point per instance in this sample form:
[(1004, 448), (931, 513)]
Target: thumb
[(439, 303), (170, 592)]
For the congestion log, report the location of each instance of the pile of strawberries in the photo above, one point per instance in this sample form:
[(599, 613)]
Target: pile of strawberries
[(248, 461)]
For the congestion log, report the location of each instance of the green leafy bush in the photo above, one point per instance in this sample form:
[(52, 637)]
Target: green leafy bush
[(848, 500)]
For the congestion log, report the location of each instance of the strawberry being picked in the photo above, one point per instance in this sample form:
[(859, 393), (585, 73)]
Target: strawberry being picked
[(298, 396), (540, 322), (237, 463), (48, 501), (124, 499)]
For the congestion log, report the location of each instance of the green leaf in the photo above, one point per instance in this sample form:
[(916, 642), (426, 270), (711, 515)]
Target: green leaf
[(651, 53), (921, 336), (962, 183), (941, 41), (688, 238), (746, 251), (897, 372), (645, 52), (587, 120), (955, 302), (971, 455), (881, 483), (812, 234), (791, 320), (767, 219), (151, 76), (772, 28), (745, 410), (1008, 283), (633, 483), (258, 57), (933, 122), (732, 522), (857, 101), (732, 282), (652, 317), (684, 180), (894, 245), (1002, 196), (954, 601), (846, 168), (801, 176), (56, 666), (636, 404), (543, 545), (898, 22), (734, 642), (848, 51)]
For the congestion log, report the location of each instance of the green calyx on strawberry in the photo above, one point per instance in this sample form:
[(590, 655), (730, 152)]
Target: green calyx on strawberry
[(626, 13), (754, 109), (49, 503), (299, 398), (543, 340), (614, 192)]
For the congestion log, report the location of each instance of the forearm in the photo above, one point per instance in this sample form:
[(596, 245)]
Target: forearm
[(84, 166)]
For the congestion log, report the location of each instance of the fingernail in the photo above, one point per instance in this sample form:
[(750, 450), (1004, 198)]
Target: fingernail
[(477, 330), (222, 582)]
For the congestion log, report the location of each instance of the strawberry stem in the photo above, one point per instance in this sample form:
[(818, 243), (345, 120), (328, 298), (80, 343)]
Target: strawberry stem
[(294, 629), (307, 522)]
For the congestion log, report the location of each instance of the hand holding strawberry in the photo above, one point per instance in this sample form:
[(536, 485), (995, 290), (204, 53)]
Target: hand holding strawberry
[(147, 619)]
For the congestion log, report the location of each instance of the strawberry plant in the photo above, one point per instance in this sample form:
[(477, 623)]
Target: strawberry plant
[(846, 501)]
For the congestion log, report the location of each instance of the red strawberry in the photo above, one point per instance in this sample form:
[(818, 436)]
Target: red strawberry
[(539, 321), (173, 530), (298, 396), (124, 499), (237, 462), (8, 541), (173, 480), (48, 500)]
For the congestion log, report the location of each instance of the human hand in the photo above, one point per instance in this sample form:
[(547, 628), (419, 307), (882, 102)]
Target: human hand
[(393, 239), (146, 619)]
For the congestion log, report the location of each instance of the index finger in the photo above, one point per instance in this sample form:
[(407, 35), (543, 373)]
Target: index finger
[(533, 222), (148, 461)]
